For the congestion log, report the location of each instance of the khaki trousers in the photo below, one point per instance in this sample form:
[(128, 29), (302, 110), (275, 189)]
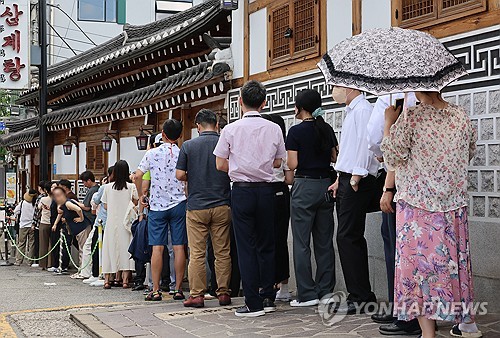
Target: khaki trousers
[(200, 223), (43, 238), (81, 238), (26, 243)]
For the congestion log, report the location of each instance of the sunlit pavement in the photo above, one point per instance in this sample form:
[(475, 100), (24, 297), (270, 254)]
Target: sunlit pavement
[(69, 308)]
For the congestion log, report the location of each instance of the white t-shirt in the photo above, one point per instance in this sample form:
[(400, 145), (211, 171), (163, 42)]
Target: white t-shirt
[(27, 211)]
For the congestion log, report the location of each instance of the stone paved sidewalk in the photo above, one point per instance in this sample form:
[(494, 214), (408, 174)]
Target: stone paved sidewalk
[(171, 319)]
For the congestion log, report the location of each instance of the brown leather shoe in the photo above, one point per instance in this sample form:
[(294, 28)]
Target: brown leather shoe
[(224, 300), (195, 302)]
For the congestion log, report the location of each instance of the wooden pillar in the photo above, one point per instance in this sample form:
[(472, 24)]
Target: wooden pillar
[(246, 41), (356, 17), (187, 123)]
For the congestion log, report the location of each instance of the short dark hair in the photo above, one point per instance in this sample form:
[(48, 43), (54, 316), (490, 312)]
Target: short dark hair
[(65, 183), (48, 186), (172, 129), (206, 117), (152, 140), (253, 94), (110, 170), (87, 175)]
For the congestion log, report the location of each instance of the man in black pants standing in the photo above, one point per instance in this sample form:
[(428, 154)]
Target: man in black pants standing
[(249, 149), (355, 191)]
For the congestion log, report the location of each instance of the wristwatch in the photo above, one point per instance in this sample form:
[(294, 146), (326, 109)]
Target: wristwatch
[(353, 182), (389, 189)]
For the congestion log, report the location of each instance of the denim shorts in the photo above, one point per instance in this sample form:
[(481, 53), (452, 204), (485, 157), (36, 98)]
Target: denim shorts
[(160, 221)]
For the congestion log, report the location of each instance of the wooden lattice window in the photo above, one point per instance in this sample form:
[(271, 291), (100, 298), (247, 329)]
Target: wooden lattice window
[(422, 13), (95, 157), (293, 31)]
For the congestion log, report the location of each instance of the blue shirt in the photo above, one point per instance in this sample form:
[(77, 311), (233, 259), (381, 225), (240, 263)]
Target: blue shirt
[(102, 213)]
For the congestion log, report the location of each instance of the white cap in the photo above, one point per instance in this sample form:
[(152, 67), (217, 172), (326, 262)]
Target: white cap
[(158, 139)]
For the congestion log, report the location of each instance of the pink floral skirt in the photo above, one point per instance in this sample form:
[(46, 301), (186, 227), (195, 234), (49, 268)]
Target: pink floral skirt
[(433, 276)]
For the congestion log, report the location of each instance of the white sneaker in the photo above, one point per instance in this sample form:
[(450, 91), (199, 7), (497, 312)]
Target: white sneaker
[(90, 280), (34, 265), (77, 276), (99, 282), (283, 296), (296, 303), (52, 269)]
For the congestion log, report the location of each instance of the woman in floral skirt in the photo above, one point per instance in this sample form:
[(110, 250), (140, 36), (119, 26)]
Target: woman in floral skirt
[(430, 146)]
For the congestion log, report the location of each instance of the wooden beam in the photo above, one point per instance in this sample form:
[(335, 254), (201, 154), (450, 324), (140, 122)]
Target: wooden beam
[(323, 30), (259, 4), (356, 17), (246, 41)]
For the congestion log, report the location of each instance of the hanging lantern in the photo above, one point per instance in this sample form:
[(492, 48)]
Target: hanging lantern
[(142, 140), (107, 142), (67, 147), (229, 4)]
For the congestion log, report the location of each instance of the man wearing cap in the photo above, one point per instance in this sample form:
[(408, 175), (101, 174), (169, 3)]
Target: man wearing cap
[(249, 149)]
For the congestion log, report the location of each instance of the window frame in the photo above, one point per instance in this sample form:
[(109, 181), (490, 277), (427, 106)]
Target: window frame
[(438, 16), (292, 56), (115, 20)]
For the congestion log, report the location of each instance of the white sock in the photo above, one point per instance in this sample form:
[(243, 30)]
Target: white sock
[(284, 288), (469, 328)]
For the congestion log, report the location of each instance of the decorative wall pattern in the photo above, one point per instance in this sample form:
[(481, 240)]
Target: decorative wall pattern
[(479, 93)]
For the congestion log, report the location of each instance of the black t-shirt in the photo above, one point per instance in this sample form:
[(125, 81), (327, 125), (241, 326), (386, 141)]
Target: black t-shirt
[(70, 215), (312, 161)]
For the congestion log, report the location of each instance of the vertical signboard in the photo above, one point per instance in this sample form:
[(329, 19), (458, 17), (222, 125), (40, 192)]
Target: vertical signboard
[(10, 187), (14, 44)]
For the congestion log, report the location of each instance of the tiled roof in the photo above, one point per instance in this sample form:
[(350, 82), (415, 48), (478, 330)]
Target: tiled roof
[(26, 138), (21, 124), (134, 41), (194, 82)]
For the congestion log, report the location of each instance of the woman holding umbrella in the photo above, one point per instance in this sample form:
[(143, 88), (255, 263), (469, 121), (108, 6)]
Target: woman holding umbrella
[(430, 147)]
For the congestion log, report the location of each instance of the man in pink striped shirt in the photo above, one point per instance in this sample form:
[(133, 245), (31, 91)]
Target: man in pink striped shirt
[(248, 150)]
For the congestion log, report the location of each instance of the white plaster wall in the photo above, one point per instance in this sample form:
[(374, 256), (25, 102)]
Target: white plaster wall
[(237, 41), (141, 12), (375, 14), (82, 160), (339, 20), (66, 164), (129, 152), (258, 42), (113, 154)]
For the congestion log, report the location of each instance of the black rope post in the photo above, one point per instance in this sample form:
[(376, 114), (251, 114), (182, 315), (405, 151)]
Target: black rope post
[(6, 241)]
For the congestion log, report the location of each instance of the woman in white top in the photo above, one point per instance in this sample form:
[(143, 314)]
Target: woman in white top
[(45, 226), (26, 240), (119, 199)]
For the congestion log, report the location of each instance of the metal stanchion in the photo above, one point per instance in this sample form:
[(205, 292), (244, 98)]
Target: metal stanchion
[(6, 241)]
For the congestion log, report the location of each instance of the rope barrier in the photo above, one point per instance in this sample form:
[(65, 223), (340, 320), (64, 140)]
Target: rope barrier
[(71, 258), (14, 244)]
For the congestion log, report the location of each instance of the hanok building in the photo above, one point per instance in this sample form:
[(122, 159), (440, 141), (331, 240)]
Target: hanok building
[(279, 42), (102, 99)]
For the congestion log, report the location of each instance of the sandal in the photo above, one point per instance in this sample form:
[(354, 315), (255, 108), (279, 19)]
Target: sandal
[(107, 285), (154, 296), (117, 283), (126, 286), (179, 295)]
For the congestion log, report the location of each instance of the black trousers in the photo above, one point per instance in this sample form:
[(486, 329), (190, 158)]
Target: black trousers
[(36, 250), (388, 231), (54, 237), (281, 226), (140, 273), (165, 271), (351, 213), (253, 221), (95, 254), (234, 284), (70, 240)]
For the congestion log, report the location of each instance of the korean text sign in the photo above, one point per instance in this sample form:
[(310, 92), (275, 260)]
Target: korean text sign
[(14, 44)]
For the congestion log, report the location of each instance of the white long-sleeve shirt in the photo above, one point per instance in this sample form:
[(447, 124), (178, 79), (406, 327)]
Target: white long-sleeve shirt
[(354, 156), (375, 128)]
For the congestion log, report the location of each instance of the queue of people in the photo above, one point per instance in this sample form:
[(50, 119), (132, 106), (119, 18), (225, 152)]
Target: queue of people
[(232, 185)]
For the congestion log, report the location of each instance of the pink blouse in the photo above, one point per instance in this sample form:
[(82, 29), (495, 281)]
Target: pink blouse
[(430, 149)]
